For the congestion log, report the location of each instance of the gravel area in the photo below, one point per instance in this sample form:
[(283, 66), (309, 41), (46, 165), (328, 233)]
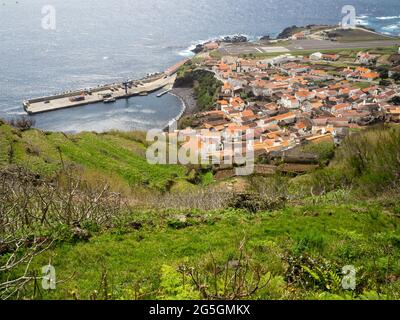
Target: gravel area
[(187, 96)]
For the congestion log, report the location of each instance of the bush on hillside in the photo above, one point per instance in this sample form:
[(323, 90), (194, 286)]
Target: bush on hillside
[(368, 160), (22, 123), (36, 212), (373, 158), (395, 100), (206, 86)]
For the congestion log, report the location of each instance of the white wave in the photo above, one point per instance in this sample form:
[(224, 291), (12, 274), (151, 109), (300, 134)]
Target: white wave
[(362, 17), (137, 110), (362, 22), (147, 111), (8, 110), (17, 113), (388, 18), (188, 52), (391, 27), (96, 78), (136, 121)]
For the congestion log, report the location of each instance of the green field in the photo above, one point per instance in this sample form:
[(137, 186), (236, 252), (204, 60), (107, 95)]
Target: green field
[(289, 236), (145, 262), (358, 35)]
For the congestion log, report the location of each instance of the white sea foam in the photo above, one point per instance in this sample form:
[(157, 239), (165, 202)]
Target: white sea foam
[(189, 53), (147, 111), (362, 22), (137, 110), (10, 110), (17, 113), (392, 27), (388, 18)]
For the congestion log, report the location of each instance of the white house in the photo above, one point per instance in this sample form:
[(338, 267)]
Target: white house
[(316, 56), (290, 102)]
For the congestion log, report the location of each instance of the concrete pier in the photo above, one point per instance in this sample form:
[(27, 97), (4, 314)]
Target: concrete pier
[(99, 94)]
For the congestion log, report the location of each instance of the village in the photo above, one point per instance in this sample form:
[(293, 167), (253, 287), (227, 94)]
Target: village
[(288, 100)]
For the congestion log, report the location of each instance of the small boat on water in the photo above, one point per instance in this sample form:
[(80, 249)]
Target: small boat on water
[(144, 93), (109, 100), (163, 93)]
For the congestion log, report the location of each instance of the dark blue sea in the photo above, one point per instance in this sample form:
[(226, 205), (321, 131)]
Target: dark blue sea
[(102, 41)]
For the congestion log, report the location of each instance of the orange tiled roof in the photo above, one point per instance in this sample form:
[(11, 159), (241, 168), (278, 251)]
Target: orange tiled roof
[(247, 113), (284, 116), (227, 86), (370, 75), (304, 94), (342, 106), (319, 72), (363, 70)]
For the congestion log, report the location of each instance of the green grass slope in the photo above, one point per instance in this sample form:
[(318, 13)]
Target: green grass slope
[(344, 214), (120, 156), (139, 263)]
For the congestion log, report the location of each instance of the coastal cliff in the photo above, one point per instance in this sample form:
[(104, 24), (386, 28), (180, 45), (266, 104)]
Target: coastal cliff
[(199, 91)]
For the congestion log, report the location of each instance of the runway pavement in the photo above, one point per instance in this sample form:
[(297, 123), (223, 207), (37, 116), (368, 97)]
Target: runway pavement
[(306, 45)]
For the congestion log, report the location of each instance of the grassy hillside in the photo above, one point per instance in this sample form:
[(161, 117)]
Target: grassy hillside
[(368, 163), (288, 236), (117, 157), (354, 35), (290, 245)]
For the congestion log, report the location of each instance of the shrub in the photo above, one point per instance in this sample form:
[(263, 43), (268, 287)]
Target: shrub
[(206, 87), (315, 274), (324, 150), (384, 83), (22, 123), (373, 157), (395, 100), (254, 202), (173, 285), (369, 160), (310, 240)]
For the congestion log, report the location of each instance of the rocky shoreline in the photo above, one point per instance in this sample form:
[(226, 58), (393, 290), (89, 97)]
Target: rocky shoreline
[(189, 104), (228, 39), (186, 94)]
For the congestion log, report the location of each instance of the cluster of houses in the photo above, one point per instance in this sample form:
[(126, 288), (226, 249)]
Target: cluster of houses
[(279, 103)]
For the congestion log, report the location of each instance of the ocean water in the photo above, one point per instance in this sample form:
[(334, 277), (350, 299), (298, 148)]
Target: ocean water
[(102, 41)]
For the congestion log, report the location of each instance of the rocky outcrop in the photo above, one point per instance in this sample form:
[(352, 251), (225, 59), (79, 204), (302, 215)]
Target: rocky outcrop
[(199, 48), (235, 39), (288, 32), (265, 38)]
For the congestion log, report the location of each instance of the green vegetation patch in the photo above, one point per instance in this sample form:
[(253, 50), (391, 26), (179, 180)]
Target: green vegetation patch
[(115, 154), (136, 260)]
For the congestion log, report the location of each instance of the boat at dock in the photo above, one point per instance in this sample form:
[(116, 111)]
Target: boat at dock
[(109, 100), (163, 93)]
